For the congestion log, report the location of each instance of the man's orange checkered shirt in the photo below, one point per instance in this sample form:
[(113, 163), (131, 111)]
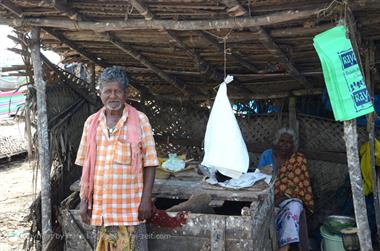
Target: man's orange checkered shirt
[(117, 190)]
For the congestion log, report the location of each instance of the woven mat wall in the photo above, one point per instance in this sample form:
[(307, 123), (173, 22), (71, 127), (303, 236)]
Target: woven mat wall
[(315, 134)]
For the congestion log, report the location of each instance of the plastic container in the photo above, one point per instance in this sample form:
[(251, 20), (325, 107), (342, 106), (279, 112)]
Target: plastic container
[(331, 242)]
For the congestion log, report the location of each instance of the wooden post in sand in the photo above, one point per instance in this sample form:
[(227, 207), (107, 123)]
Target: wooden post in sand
[(43, 137)]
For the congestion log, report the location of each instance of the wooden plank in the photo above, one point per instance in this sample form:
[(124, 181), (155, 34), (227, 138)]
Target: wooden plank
[(181, 189), (138, 24), (162, 242), (261, 220), (78, 236), (218, 234)]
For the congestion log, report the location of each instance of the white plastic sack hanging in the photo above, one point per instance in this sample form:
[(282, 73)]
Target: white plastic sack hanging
[(225, 149)]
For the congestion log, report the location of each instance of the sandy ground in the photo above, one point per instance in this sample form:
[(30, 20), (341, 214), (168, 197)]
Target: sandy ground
[(16, 196)]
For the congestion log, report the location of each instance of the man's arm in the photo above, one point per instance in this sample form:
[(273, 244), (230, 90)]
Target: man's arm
[(145, 209), (150, 162)]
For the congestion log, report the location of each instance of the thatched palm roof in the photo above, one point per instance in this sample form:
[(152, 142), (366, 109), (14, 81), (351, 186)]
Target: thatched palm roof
[(176, 48)]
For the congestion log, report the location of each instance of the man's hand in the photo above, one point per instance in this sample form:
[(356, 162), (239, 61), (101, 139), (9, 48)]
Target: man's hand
[(85, 213), (145, 209)]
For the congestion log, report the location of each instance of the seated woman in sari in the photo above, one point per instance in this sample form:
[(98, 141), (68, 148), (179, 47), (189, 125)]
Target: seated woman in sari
[(292, 186)]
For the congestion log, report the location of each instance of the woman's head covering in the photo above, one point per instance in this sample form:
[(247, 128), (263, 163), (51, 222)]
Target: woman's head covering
[(289, 131)]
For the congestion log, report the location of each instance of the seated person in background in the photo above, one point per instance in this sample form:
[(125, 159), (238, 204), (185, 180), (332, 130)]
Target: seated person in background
[(292, 187)]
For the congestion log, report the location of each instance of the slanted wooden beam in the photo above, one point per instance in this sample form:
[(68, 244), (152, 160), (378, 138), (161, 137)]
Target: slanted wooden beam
[(142, 9), (75, 47), (267, 41), (204, 67), (11, 7), (138, 24), (236, 55), (139, 57), (235, 9)]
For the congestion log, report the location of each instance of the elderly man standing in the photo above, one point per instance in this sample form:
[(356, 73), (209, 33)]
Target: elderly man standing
[(118, 155)]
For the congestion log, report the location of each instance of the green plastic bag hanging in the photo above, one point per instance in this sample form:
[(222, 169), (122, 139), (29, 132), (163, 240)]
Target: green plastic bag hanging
[(344, 81)]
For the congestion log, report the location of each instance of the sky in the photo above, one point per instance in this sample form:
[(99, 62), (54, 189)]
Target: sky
[(8, 58)]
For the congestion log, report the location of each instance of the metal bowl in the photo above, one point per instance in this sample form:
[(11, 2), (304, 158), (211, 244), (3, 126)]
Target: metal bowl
[(335, 223)]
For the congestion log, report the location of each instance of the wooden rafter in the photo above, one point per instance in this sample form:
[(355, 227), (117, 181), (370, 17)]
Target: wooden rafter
[(236, 55), (63, 7), (144, 11), (143, 60), (75, 47), (268, 42), (204, 67), (11, 7), (138, 24)]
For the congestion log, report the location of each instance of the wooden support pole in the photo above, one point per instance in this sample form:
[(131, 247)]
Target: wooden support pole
[(91, 68), (351, 139), (293, 114), (369, 61), (28, 129), (43, 138)]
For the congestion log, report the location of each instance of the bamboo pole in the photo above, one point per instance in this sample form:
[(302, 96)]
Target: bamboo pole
[(43, 138), (351, 139)]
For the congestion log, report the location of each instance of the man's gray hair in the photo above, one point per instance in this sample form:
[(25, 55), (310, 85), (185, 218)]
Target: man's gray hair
[(114, 73), (291, 132)]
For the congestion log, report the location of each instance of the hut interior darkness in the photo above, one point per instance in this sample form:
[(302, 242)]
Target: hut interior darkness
[(176, 52)]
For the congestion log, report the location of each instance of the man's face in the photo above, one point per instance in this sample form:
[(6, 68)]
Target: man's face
[(113, 96)]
